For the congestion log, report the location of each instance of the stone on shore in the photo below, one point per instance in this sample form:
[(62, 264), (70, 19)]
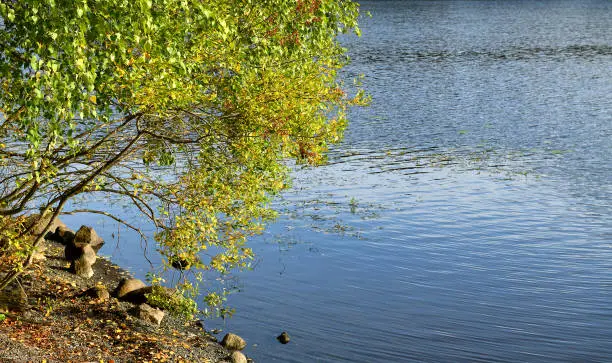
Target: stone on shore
[(73, 252), (38, 225), (98, 292), (138, 296), (63, 235), (233, 342), (39, 252), (82, 269), (127, 286), (89, 236), (238, 357), (13, 298), (82, 266), (150, 314)]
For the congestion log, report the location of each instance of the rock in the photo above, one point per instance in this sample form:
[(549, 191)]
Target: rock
[(82, 266), (97, 292), (13, 298), (73, 252), (39, 252), (150, 314), (138, 296), (63, 235), (41, 223), (127, 286), (238, 357), (283, 338), (135, 291), (89, 236), (233, 342)]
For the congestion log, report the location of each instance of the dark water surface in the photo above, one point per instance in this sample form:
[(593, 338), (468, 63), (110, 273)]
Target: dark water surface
[(467, 216)]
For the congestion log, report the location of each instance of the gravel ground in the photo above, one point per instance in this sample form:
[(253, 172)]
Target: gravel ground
[(60, 324)]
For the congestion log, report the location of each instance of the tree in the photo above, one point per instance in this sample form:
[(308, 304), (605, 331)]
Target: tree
[(184, 108)]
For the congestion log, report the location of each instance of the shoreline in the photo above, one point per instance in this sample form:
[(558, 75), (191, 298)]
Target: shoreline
[(61, 323)]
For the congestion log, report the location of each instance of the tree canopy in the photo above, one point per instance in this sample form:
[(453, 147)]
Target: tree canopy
[(186, 109)]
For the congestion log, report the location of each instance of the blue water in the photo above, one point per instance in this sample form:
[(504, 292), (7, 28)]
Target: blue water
[(467, 215)]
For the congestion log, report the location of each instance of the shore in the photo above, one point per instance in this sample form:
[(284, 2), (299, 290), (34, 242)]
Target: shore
[(60, 323)]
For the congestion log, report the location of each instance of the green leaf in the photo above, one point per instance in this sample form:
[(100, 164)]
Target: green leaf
[(34, 62)]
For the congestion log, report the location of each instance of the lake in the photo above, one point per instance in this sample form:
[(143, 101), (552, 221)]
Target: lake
[(467, 215)]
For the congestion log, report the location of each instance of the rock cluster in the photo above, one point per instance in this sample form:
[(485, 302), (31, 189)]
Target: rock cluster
[(81, 248), (135, 291), (235, 343)]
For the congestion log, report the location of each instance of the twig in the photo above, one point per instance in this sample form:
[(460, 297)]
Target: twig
[(108, 215)]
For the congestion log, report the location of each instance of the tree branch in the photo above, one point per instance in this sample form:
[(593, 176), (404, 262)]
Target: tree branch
[(107, 214)]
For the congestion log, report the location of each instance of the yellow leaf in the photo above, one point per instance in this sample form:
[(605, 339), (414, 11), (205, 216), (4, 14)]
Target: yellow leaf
[(93, 99)]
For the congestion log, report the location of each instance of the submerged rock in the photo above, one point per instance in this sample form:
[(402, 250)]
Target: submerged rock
[(283, 338), (181, 263)]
